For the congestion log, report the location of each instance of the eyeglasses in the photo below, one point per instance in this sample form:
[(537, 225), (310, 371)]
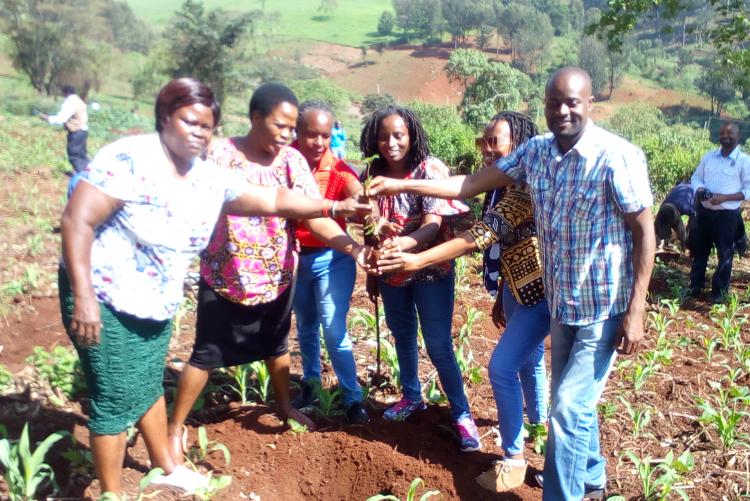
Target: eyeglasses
[(491, 142)]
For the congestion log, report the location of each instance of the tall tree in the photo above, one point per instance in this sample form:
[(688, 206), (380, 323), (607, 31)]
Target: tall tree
[(465, 65), (528, 30), (489, 86), (717, 84), (50, 40), (462, 16), (129, 32), (592, 57), (201, 43), (421, 17), (729, 34)]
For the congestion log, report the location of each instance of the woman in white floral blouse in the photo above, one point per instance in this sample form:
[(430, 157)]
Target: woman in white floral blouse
[(146, 207)]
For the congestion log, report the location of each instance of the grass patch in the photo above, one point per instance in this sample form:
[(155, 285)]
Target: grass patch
[(353, 23)]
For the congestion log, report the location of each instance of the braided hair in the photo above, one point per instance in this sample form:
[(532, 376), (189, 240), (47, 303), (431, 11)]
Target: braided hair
[(419, 147), (522, 128)]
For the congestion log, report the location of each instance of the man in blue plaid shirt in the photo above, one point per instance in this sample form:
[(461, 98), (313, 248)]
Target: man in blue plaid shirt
[(591, 198)]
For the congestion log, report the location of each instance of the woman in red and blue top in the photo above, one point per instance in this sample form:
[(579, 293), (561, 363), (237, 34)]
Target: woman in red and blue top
[(325, 277), (416, 223)]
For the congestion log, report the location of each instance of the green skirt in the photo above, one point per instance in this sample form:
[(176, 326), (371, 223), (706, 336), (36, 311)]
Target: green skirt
[(125, 371)]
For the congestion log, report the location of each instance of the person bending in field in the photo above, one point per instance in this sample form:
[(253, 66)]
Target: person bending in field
[(680, 201)]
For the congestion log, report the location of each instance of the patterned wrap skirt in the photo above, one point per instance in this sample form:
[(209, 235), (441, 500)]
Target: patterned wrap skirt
[(124, 372)]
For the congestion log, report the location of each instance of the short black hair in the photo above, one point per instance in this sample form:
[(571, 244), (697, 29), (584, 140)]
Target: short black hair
[(522, 127), (312, 104), (419, 146), (184, 92), (268, 96), (68, 89)]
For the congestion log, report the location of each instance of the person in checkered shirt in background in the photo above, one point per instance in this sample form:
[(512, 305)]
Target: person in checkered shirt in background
[(591, 196)]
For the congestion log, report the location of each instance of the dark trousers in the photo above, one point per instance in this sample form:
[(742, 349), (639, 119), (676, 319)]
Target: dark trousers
[(714, 228), (77, 155)]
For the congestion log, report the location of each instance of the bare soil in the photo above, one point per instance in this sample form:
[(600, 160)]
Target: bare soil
[(343, 462)]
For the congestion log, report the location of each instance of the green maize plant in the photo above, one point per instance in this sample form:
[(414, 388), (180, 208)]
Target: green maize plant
[(411, 493), (329, 402), (391, 359), (709, 344), (206, 447), (725, 420), (433, 393), (472, 316), (296, 427), (538, 436), (215, 484), (672, 305), (660, 479), (24, 470), (461, 274), (241, 376), (263, 379), (640, 417)]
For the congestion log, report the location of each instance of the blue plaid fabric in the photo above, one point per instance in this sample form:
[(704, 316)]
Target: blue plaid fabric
[(580, 198)]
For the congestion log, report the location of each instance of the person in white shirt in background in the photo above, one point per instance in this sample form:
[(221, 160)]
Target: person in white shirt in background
[(721, 182), (74, 118)]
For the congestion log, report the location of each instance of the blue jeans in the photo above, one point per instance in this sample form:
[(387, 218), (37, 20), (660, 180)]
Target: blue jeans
[(582, 357), (433, 301), (520, 353), (325, 281)]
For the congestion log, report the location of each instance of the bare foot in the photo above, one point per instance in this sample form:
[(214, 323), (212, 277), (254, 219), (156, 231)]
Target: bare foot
[(177, 443)]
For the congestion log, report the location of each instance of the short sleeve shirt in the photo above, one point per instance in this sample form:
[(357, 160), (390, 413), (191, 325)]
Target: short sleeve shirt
[(252, 260), (141, 253), (580, 200), (407, 210)]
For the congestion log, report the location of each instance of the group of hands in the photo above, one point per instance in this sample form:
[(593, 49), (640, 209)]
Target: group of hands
[(389, 255)]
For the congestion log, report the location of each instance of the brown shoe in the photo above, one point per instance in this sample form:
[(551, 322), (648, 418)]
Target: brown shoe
[(502, 477)]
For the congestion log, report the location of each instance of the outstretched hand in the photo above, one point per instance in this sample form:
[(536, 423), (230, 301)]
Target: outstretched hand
[(350, 207), (361, 255), (383, 186)]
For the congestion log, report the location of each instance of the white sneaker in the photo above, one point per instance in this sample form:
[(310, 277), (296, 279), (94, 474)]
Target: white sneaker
[(182, 478)]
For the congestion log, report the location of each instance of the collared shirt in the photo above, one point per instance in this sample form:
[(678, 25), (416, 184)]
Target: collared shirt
[(724, 175), (72, 114), (580, 199), (141, 254)]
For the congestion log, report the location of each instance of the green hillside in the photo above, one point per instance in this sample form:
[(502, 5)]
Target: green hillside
[(352, 23)]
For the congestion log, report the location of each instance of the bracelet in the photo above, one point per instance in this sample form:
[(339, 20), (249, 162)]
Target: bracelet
[(333, 209), (325, 208)]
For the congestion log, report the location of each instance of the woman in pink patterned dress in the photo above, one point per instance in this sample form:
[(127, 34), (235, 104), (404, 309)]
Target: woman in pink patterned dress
[(248, 269)]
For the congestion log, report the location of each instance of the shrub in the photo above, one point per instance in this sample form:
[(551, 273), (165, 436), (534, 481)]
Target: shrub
[(451, 140), (322, 89), (385, 23), (373, 102)]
